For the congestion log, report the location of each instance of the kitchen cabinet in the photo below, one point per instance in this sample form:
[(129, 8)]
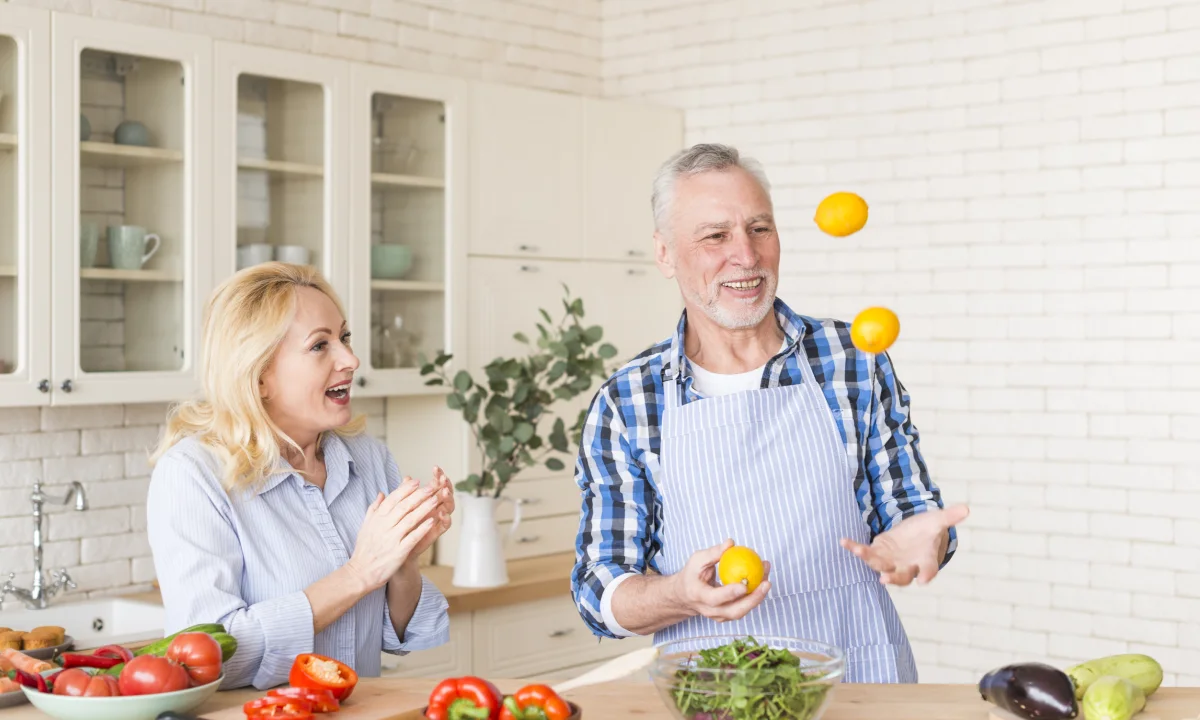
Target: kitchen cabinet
[(25, 337)]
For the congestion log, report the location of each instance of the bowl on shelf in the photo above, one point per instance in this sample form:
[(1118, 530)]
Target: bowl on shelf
[(124, 707), (782, 677), (390, 261)]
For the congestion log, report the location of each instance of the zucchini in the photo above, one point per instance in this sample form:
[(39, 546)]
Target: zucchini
[(217, 632), (1112, 698), (1142, 670)]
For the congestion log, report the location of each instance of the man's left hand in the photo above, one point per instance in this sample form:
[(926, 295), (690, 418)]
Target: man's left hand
[(911, 549)]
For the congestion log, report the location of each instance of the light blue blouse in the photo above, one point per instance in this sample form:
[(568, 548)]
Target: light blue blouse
[(244, 561)]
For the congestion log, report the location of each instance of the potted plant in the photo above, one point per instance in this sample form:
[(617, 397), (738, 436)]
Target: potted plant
[(505, 413)]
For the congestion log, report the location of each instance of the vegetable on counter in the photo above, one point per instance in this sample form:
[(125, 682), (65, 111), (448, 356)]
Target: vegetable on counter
[(1112, 698), (464, 698), (1035, 691), (318, 672), (278, 707), (321, 701), (535, 702), (1142, 670), (769, 684), (77, 682)]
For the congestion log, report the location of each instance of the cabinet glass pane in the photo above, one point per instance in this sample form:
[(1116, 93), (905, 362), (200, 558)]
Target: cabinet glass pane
[(132, 213), (9, 155), (408, 230), (281, 169)]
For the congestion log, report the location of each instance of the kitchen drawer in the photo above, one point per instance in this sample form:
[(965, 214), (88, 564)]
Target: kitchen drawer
[(541, 536), (449, 660), (537, 637), (542, 498), (569, 673)]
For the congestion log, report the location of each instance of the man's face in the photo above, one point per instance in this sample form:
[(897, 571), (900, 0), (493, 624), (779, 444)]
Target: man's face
[(723, 248)]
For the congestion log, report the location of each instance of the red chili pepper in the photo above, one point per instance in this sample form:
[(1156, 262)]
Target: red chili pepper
[(31, 680), (465, 698), (115, 651), (535, 702), (73, 660)]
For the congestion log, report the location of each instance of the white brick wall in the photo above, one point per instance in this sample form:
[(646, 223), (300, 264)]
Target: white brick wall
[(1032, 172)]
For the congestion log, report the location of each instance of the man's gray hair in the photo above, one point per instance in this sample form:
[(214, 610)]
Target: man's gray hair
[(700, 158)]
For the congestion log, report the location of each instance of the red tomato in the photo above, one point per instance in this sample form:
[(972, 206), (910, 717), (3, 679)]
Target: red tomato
[(278, 707), (150, 675), (199, 654), (322, 701), (77, 683)]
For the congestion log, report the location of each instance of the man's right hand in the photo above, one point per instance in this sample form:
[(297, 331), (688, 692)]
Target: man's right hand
[(696, 587)]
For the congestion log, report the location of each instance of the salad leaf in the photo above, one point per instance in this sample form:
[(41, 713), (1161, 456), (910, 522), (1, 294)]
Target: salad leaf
[(769, 684)]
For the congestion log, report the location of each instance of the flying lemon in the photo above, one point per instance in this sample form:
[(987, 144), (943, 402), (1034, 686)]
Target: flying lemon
[(841, 214), (875, 329), (740, 564)]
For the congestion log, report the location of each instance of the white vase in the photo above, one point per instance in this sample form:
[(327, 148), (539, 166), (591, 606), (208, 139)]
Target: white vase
[(480, 561)]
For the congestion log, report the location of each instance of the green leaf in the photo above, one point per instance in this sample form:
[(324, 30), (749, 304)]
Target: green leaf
[(522, 432), (557, 371), (505, 471), (546, 316), (593, 334), (471, 484), (434, 381), (520, 337), (554, 464), (577, 307), (507, 445), (454, 402), (558, 437), (462, 381), (442, 359), (607, 351)]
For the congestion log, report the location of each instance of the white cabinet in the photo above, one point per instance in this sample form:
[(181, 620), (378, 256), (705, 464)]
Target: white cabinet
[(25, 197)]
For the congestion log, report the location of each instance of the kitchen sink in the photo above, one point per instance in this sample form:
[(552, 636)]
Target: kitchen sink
[(93, 623)]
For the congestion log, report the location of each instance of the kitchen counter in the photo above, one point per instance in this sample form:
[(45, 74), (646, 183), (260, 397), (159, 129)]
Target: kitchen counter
[(397, 699)]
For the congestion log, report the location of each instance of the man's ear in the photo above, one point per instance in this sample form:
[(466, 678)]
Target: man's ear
[(664, 255)]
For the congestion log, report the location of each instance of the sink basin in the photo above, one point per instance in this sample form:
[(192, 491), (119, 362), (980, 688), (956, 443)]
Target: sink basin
[(93, 623)]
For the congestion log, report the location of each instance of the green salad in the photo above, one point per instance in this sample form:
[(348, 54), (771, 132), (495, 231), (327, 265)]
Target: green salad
[(770, 685)]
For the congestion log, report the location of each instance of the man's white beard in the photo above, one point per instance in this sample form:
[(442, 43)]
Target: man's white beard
[(743, 315)]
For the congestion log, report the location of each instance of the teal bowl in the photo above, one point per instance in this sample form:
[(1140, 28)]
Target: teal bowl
[(390, 262)]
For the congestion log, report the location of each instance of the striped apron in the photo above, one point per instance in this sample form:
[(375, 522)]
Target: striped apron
[(768, 468)]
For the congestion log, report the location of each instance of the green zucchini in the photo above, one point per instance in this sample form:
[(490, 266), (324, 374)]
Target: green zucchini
[(217, 632)]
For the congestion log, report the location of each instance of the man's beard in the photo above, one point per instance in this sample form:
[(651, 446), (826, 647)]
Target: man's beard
[(744, 314)]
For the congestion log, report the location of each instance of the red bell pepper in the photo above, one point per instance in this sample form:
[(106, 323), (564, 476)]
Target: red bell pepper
[(115, 651), (535, 702), (464, 698), (318, 672), (278, 707), (322, 701)]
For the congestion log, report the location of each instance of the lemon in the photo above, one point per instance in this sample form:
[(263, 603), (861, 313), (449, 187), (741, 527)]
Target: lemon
[(841, 214), (740, 564), (875, 329)]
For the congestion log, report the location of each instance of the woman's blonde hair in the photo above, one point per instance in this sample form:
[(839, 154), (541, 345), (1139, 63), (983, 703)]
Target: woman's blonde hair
[(245, 320)]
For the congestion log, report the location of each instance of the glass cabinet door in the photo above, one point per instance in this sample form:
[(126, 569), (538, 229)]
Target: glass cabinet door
[(403, 226), (129, 244)]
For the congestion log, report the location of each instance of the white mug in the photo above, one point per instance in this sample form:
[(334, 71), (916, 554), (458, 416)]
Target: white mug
[(254, 254), (294, 254)]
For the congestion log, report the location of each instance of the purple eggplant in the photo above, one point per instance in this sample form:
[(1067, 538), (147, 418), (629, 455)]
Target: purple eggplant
[(1034, 691)]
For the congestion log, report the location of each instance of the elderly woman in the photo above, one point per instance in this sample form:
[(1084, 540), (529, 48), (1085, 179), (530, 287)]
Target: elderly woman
[(271, 513)]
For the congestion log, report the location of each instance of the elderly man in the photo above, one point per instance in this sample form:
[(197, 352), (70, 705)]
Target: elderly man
[(757, 425)]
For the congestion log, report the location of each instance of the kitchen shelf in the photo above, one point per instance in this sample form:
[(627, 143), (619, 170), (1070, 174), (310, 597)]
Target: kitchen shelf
[(281, 167), (99, 154), (129, 275), (407, 286), (415, 181), (8, 271), (8, 141)]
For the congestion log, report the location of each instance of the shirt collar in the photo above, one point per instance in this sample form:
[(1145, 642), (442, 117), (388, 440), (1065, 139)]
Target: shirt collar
[(677, 365), (339, 465)]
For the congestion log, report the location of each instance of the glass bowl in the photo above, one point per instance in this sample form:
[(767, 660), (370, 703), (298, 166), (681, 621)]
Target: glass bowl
[(741, 677)]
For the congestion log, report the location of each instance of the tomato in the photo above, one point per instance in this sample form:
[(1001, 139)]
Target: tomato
[(322, 701), (150, 675), (199, 654), (323, 673), (278, 707), (77, 683)]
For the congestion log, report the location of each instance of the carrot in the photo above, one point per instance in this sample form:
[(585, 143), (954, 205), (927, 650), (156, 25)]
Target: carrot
[(5, 666), (7, 686), (21, 661)]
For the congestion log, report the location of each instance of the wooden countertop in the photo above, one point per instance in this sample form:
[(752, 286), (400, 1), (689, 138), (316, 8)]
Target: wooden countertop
[(528, 579), (397, 699)]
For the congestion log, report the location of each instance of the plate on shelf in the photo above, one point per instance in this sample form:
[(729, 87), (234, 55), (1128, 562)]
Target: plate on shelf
[(68, 643)]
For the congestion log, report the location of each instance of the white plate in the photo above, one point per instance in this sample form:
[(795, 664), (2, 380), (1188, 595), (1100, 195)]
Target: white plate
[(130, 707)]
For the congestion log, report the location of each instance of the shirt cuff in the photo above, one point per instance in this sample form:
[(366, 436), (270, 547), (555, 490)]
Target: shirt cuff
[(606, 607), (429, 626), (287, 631)]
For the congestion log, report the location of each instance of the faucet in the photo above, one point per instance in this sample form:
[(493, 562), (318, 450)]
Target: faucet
[(38, 596)]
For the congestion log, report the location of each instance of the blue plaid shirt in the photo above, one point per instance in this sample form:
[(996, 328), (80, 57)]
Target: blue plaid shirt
[(621, 522)]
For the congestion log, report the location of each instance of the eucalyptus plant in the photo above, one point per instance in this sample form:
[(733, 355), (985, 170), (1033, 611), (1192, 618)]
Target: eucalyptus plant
[(505, 412)]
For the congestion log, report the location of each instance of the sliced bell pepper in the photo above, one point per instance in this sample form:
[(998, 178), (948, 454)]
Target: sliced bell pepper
[(318, 672), (464, 698), (535, 702), (278, 707), (115, 651), (322, 701)]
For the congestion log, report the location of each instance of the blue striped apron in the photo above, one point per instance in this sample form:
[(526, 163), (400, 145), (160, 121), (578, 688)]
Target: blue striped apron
[(768, 468)]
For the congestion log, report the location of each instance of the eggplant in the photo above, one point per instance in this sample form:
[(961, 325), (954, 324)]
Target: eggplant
[(1035, 691)]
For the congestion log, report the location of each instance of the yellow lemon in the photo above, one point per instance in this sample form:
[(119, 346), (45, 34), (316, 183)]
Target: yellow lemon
[(740, 564), (875, 329), (841, 214)]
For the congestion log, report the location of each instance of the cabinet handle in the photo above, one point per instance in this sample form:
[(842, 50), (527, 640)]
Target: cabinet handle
[(66, 386), (529, 268), (362, 381), (636, 253), (44, 386), (527, 248), (561, 633), (632, 271), (528, 538)]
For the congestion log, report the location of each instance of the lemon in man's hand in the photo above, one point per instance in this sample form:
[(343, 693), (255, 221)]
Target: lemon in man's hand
[(740, 564)]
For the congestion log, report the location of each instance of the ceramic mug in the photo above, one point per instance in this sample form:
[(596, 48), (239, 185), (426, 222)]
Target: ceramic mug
[(253, 254), (294, 254), (89, 243), (131, 132), (127, 246)]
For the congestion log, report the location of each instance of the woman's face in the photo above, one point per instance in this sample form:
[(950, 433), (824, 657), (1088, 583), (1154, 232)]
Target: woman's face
[(306, 388)]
